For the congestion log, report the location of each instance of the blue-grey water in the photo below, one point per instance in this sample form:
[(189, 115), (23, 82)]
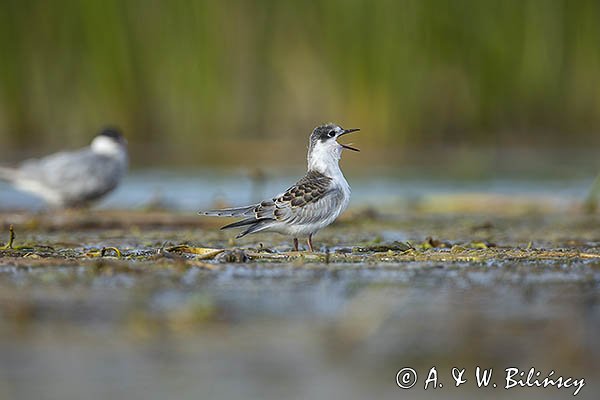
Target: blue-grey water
[(196, 189)]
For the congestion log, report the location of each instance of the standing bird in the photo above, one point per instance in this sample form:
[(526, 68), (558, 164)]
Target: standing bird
[(76, 178), (313, 203)]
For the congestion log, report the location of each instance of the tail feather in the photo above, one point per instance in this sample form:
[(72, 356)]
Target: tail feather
[(259, 225), (255, 225), (231, 212), (244, 222)]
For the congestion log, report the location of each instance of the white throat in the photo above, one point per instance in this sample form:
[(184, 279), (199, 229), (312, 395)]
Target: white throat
[(325, 158), (108, 147)]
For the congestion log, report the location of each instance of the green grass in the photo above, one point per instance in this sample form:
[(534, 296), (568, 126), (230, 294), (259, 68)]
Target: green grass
[(177, 74)]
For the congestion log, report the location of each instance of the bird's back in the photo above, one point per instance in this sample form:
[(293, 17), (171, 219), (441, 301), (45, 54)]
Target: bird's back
[(71, 178)]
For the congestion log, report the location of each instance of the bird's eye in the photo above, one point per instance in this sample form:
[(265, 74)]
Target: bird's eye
[(331, 134)]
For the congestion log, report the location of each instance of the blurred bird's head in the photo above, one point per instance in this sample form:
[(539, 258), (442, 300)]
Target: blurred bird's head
[(110, 142)]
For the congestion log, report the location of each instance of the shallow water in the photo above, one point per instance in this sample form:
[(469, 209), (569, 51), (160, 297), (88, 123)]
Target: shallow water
[(192, 190)]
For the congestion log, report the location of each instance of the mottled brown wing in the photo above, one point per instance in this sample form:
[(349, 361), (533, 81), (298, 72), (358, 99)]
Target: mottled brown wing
[(297, 200), (307, 190)]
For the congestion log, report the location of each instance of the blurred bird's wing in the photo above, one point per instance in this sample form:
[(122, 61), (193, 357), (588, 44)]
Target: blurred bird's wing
[(80, 174)]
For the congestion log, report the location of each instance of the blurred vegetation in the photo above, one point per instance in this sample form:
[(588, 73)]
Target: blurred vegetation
[(179, 75)]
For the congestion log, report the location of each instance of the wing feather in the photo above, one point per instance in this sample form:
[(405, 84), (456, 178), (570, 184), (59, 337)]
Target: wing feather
[(302, 203), (76, 175), (308, 201)]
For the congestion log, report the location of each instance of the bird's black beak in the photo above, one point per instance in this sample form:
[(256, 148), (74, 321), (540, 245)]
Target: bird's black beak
[(345, 132)]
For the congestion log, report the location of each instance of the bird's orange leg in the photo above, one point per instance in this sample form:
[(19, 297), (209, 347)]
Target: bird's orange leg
[(310, 245)]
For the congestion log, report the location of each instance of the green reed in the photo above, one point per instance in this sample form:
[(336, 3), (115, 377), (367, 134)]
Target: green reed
[(178, 74)]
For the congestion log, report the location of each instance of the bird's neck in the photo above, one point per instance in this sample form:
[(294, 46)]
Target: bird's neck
[(327, 163)]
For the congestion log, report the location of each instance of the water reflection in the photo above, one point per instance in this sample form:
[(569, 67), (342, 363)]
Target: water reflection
[(278, 330)]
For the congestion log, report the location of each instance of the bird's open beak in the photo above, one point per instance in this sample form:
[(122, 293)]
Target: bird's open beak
[(346, 146)]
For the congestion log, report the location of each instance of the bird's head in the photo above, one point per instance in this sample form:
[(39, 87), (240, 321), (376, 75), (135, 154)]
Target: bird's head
[(323, 148), (110, 141)]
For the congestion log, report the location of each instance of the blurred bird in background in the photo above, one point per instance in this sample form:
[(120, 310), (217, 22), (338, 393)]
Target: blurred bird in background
[(71, 179)]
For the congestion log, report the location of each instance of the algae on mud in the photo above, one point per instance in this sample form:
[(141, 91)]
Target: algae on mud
[(357, 238)]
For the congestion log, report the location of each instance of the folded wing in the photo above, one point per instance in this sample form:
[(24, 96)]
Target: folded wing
[(301, 204)]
